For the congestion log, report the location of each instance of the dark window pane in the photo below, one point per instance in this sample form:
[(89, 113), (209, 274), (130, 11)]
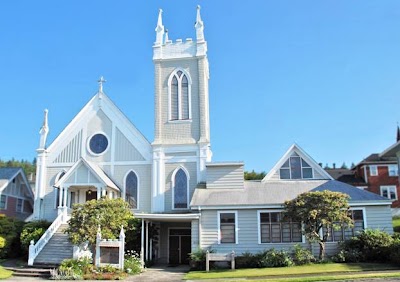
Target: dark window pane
[(295, 167), (357, 215), (307, 173), (284, 173), (227, 217), (98, 143), (264, 217), (180, 190), (185, 98), (131, 189), (174, 99), (304, 163), (286, 164)]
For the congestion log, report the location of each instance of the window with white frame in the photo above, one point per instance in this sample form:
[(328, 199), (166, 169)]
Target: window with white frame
[(373, 170), (179, 90), (3, 202), (393, 170), (227, 228), (131, 189), (389, 192), (296, 168), (180, 189), (20, 205), (273, 229), (345, 233)]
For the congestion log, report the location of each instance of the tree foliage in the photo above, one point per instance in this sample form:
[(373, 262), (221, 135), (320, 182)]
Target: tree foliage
[(319, 212), (254, 175), (109, 214), (27, 166)]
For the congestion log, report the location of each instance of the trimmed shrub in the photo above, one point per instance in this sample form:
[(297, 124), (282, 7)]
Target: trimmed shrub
[(274, 258), (10, 228), (32, 231), (247, 260), (76, 267), (368, 246), (198, 259), (302, 256)]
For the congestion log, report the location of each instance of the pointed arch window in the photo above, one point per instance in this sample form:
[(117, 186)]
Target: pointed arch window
[(180, 189), (179, 91), (131, 189)]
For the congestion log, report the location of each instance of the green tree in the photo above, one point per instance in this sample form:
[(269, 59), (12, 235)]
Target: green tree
[(254, 175), (319, 212), (344, 166), (109, 214)]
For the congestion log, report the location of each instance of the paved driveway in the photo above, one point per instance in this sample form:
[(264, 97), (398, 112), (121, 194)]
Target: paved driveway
[(161, 274)]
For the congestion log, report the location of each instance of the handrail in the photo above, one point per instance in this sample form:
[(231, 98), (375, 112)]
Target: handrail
[(34, 249)]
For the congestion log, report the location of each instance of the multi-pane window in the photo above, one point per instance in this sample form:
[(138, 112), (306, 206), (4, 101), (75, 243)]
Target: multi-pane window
[(296, 168), (389, 192), (20, 205), (373, 170), (179, 99), (273, 229), (131, 189), (3, 202), (180, 190), (393, 170), (344, 233), (227, 227)]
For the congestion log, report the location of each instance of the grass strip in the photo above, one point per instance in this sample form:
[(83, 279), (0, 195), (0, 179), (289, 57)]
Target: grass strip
[(324, 269), (4, 273)]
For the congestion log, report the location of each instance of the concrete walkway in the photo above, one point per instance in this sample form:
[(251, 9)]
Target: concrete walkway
[(161, 273)]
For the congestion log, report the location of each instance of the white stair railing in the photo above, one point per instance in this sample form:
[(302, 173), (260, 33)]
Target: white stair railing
[(34, 249)]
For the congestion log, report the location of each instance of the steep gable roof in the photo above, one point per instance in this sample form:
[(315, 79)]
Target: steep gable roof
[(93, 168), (301, 153), (7, 174), (102, 102)]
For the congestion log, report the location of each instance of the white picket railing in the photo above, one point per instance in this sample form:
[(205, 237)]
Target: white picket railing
[(34, 249)]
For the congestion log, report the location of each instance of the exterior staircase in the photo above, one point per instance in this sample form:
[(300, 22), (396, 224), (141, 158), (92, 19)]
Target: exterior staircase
[(56, 250)]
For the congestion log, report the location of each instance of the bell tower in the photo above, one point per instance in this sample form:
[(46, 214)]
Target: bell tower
[(182, 122)]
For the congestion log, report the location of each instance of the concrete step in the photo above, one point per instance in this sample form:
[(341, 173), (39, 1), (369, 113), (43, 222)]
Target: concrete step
[(30, 272)]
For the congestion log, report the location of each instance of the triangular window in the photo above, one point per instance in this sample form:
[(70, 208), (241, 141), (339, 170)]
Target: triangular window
[(296, 168)]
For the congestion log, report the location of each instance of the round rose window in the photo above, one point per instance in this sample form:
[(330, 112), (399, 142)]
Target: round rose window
[(98, 143)]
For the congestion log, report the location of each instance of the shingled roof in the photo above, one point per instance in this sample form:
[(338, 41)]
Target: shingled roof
[(275, 193)]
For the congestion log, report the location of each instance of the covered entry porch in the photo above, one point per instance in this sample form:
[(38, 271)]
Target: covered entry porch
[(177, 235), (83, 182)]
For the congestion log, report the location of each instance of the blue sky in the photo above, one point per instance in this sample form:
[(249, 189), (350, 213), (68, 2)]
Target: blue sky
[(324, 74)]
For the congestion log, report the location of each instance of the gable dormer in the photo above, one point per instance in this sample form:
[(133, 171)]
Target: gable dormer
[(296, 164)]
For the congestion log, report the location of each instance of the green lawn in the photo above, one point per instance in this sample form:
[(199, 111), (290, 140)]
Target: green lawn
[(316, 270), (4, 273), (396, 224)]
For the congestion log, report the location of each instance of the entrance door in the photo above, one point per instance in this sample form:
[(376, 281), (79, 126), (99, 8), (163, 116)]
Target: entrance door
[(179, 246), (91, 195)]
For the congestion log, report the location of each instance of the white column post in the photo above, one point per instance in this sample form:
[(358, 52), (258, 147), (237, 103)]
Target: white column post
[(142, 245), (147, 240), (98, 192), (103, 191)]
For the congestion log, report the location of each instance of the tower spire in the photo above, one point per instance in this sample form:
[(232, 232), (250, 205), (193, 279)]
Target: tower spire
[(159, 29), (199, 26), (398, 133)]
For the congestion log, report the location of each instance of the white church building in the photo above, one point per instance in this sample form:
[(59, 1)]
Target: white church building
[(171, 183)]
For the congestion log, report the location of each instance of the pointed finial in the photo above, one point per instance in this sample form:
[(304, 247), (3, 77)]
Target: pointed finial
[(398, 133), (45, 119), (199, 26), (101, 81), (159, 30), (198, 16), (159, 21), (44, 130)]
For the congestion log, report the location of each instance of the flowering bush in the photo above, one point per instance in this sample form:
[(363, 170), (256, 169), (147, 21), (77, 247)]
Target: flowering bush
[(132, 263)]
